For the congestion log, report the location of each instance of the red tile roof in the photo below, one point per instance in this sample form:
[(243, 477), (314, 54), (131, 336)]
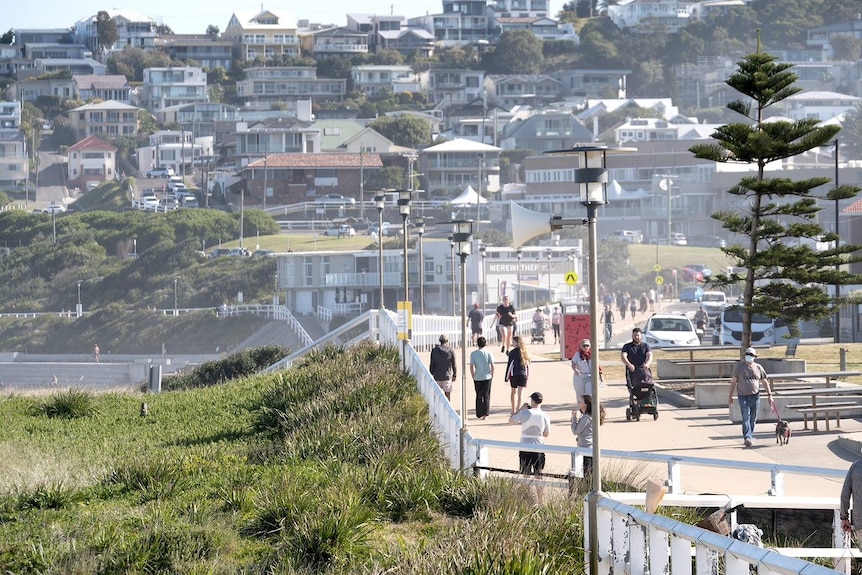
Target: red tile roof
[(322, 160), (854, 208), (93, 143)]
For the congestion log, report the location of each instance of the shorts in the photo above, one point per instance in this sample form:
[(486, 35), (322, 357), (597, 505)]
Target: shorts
[(532, 463), (446, 386), (517, 381), (476, 329)]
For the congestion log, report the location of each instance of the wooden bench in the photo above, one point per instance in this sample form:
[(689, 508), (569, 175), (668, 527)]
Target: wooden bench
[(835, 407)]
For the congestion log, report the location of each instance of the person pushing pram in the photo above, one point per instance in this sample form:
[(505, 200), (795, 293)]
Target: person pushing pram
[(637, 355)]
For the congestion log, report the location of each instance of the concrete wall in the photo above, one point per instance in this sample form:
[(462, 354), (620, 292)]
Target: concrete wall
[(671, 369)]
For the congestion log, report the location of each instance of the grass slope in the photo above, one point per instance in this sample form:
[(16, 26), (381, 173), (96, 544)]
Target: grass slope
[(330, 467)]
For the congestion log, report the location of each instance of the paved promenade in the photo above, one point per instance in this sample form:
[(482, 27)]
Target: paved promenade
[(706, 433)]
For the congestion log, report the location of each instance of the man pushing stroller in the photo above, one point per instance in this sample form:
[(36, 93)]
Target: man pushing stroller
[(635, 354)]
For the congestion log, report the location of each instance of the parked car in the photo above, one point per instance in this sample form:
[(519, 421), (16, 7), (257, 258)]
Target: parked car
[(160, 173), (676, 239), (336, 200), (55, 209), (696, 272), (372, 229), (713, 302), (691, 294), (629, 236), (339, 231), (669, 330), (707, 241)]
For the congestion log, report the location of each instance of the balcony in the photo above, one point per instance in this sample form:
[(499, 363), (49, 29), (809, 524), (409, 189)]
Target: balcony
[(367, 279), (340, 48)]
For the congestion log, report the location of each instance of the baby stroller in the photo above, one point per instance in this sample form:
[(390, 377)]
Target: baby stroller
[(537, 333), (643, 397)]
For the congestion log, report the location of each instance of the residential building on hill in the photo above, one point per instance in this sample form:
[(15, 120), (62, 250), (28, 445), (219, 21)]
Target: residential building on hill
[(264, 34), (91, 159), (264, 86), (335, 41), (452, 166), (164, 87), (208, 52), (108, 119), (133, 29), (14, 167)]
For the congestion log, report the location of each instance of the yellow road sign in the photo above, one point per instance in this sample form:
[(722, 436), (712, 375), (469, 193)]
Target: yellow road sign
[(571, 278), (656, 268), (659, 280)]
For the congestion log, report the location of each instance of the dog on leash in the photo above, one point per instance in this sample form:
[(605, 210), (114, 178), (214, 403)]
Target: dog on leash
[(782, 432)]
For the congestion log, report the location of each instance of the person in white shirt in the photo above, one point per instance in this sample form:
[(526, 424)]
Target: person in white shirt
[(535, 427)]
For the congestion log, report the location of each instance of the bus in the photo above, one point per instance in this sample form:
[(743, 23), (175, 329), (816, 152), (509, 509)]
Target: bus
[(730, 330)]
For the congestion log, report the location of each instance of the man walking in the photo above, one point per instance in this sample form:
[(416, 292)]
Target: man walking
[(482, 372), (636, 353), (747, 378), (443, 367), (475, 318)]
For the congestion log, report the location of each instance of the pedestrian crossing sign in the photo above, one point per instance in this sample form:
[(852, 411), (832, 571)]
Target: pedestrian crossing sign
[(571, 278)]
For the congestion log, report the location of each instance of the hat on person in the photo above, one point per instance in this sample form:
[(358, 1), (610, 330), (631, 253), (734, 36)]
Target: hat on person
[(536, 396), (751, 351), (443, 338), (586, 343)]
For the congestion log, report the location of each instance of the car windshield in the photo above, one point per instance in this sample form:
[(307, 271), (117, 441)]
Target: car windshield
[(670, 324), (712, 297), (734, 315)]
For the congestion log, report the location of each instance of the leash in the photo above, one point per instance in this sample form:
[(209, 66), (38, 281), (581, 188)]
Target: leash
[(774, 409)]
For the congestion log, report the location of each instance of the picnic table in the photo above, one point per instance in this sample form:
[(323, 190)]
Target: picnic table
[(849, 397)]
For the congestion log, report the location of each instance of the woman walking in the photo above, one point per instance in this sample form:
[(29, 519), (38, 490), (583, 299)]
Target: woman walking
[(582, 427), (517, 370)]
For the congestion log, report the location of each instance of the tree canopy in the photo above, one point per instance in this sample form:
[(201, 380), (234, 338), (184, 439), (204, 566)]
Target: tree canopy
[(784, 276), (408, 131), (517, 52), (106, 30)]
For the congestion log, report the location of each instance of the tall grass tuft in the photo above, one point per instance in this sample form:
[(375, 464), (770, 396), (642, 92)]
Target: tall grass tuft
[(242, 364), (153, 478), (47, 496), (73, 404)]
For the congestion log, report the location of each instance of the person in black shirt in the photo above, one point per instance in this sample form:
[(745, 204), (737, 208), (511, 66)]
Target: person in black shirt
[(506, 319), (475, 318), (635, 354)]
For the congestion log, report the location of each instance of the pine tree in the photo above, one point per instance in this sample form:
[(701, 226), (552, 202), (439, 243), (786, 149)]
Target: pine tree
[(784, 277)]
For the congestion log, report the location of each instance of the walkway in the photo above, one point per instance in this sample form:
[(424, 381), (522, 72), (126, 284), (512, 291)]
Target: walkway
[(692, 432)]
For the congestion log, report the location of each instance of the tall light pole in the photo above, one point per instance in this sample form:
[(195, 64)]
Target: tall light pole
[(404, 197), (79, 309), (462, 239), (520, 253), (419, 221), (837, 266), (176, 280), (275, 293), (404, 209), (591, 179), (550, 295), (452, 265), (380, 203), (241, 214), (483, 251)]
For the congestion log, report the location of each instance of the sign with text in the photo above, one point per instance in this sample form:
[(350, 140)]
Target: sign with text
[(576, 327), (405, 320)]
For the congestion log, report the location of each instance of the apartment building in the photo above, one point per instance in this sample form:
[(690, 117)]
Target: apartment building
[(108, 119), (91, 159), (263, 86), (13, 148), (164, 87), (264, 34)]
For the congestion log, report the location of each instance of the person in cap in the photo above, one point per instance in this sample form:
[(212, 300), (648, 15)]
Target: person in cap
[(443, 367), (535, 427), (582, 369), (852, 489), (475, 319), (746, 380)]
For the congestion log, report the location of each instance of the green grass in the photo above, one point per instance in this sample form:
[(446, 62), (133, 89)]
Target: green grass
[(330, 467), (643, 257)]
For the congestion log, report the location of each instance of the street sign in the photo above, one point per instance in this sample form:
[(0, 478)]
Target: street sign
[(659, 280), (571, 278), (656, 268)]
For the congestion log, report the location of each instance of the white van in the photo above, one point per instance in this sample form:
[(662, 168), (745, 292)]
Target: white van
[(629, 236), (730, 331)]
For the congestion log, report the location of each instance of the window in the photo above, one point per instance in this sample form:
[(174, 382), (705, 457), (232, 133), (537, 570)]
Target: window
[(308, 270)]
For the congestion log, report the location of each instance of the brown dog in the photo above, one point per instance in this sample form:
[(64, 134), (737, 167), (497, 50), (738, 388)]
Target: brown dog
[(782, 432)]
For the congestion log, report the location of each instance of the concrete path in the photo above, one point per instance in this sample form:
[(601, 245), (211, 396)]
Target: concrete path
[(706, 433)]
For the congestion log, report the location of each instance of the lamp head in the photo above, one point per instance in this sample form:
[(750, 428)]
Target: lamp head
[(380, 200), (404, 197)]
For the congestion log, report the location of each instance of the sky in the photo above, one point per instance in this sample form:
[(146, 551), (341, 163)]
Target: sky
[(193, 17)]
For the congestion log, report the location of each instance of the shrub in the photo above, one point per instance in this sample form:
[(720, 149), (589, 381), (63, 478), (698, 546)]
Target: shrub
[(73, 404), (242, 364)]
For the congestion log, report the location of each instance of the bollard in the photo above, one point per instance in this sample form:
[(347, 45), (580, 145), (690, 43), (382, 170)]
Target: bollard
[(155, 381), (842, 359)]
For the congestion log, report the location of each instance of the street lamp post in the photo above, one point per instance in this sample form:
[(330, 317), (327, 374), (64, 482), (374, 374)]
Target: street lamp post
[(380, 203), (420, 231), (462, 239), (452, 275), (79, 309), (483, 251), (404, 209), (176, 280), (591, 178), (837, 266), (520, 253), (550, 295), (275, 293)]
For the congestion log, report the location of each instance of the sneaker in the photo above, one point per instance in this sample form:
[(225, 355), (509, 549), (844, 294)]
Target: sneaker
[(502, 349), (747, 443)]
